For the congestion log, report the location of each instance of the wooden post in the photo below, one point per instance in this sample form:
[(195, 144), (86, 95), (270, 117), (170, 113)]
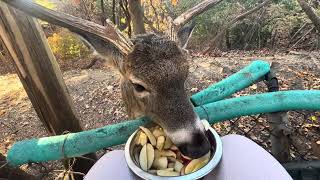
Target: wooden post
[(25, 43), (280, 146)]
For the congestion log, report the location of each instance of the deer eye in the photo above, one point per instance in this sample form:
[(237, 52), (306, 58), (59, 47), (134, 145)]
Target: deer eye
[(138, 87)]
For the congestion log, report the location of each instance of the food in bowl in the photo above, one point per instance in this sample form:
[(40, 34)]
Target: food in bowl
[(154, 152)]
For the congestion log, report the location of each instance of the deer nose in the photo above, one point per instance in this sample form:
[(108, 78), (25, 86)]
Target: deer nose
[(197, 147)]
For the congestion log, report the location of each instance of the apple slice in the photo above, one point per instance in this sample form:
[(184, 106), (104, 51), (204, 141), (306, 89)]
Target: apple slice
[(160, 163), (182, 173), (143, 159), (152, 171), (157, 132), (167, 143), (197, 163), (174, 148), (136, 152), (167, 173), (150, 155), (137, 138), (171, 165), (151, 137), (168, 153), (143, 139), (160, 142), (157, 153), (178, 166), (200, 165), (172, 159)]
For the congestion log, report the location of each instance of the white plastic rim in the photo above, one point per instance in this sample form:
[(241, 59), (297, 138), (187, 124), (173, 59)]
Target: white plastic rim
[(196, 175)]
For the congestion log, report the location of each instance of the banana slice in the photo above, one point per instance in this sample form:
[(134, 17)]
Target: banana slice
[(151, 137), (160, 142), (160, 163), (167, 173)]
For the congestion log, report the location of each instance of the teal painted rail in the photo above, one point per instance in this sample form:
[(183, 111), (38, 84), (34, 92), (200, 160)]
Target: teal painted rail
[(75, 144), (232, 84)]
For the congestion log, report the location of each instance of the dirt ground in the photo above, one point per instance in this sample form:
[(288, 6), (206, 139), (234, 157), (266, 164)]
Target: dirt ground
[(96, 94)]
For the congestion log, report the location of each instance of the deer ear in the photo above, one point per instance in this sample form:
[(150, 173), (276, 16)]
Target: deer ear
[(184, 34)]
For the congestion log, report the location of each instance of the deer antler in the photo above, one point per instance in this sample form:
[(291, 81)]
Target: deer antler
[(193, 12), (80, 26)]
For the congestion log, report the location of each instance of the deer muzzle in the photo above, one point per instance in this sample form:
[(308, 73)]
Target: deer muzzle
[(183, 126)]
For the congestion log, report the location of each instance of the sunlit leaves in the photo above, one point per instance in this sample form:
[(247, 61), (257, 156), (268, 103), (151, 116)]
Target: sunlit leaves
[(66, 45)]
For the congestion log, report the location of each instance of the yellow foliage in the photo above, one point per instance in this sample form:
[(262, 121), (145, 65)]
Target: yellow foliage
[(46, 4), (174, 2), (66, 45)]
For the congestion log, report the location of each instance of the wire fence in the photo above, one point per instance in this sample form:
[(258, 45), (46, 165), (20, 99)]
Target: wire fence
[(304, 138)]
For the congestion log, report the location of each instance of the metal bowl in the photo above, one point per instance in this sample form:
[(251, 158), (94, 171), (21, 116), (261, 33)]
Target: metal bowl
[(214, 161)]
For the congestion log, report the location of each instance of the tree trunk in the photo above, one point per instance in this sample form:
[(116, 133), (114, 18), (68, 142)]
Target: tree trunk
[(124, 6), (114, 11), (310, 13), (137, 15), (218, 39), (25, 44), (103, 13)]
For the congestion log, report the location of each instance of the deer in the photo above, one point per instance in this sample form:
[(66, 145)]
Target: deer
[(153, 72)]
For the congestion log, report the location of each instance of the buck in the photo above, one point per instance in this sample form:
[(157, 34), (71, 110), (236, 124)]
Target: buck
[(153, 72), (152, 84)]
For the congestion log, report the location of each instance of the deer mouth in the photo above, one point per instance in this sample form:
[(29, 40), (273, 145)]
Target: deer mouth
[(195, 146)]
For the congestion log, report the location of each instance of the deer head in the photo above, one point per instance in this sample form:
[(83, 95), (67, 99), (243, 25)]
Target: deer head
[(153, 73)]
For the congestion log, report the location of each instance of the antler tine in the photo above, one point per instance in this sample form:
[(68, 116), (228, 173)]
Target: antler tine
[(80, 26)]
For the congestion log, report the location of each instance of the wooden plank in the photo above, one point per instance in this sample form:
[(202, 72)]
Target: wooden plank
[(26, 45)]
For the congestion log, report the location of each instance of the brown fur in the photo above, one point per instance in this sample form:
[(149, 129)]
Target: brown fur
[(160, 67)]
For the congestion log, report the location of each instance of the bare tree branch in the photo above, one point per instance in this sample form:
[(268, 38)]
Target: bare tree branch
[(218, 37), (185, 17), (80, 26), (310, 13), (299, 30), (136, 12), (299, 40)]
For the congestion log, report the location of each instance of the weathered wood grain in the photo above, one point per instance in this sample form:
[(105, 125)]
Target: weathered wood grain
[(26, 45)]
